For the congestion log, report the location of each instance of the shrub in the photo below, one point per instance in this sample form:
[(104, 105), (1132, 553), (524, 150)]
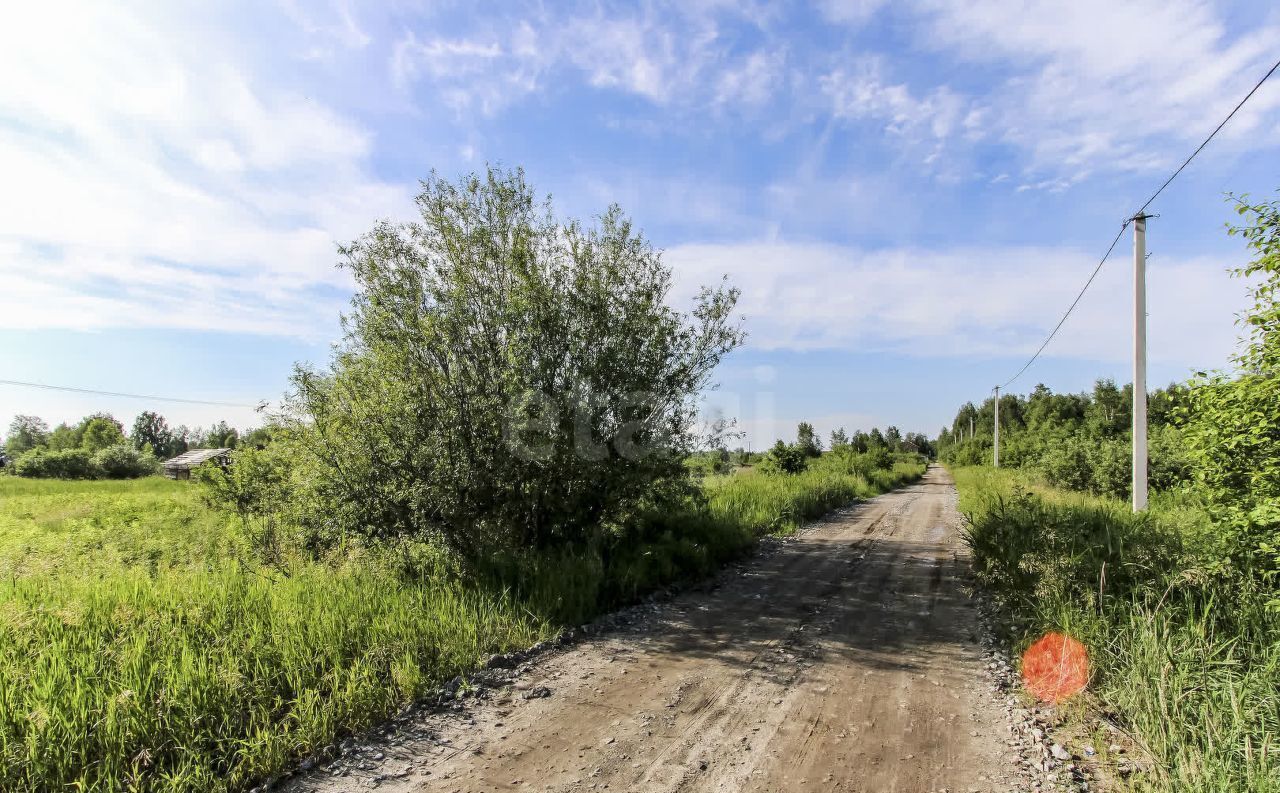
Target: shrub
[(1233, 431), (1112, 463), (66, 464), (1066, 464), (257, 486), (122, 461), (1169, 465), (785, 458), (507, 381), (703, 464)]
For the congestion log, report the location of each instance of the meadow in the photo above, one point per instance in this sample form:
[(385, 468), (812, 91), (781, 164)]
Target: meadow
[(1185, 653), (144, 646)]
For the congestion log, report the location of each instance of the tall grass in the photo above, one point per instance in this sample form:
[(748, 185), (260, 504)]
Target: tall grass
[(143, 648), (1187, 655), (781, 504)]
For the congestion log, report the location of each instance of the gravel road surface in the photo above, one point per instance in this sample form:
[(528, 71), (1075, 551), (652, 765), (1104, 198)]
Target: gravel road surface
[(845, 659)]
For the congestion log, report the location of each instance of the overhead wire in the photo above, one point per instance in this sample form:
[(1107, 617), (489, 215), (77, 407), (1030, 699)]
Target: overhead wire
[(1140, 213), (145, 397)]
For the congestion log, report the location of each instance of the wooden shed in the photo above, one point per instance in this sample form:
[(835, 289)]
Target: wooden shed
[(180, 467)]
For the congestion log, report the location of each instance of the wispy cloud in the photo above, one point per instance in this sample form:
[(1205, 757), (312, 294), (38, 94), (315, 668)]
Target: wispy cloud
[(670, 54), (152, 182), (964, 302), (1097, 85)]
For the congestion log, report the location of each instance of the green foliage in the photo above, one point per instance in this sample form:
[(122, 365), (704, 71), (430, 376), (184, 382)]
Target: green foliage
[(123, 461), (221, 436), (258, 438), (507, 381), (1065, 464), (64, 437), (807, 440), (839, 439), (99, 432), (785, 458), (893, 438), (150, 430), (69, 464), (709, 463), (258, 487), (1078, 441), (120, 461), (1184, 656), (25, 434), (1233, 419)]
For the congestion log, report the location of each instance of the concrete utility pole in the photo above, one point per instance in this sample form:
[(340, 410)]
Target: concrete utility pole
[(970, 426), (997, 426), (1139, 487)]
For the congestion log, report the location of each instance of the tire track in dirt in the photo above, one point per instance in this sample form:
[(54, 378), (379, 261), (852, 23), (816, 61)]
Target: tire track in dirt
[(845, 659)]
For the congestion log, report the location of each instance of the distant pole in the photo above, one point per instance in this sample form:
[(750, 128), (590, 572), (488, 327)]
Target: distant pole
[(997, 444), (970, 426), (1139, 362)]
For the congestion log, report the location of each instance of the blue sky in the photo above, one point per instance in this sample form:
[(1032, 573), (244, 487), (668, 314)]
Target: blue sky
[(907, 193)]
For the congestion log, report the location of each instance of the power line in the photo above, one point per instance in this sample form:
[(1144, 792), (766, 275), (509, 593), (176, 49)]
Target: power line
[(1216, 130), (1141, 211), (1073, 305), (147, 397)]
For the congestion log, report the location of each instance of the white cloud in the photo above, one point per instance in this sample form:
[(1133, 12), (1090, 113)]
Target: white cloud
[(673, 55), (1123, 86), (972, 302), (863, 92), (754, 81), (150, 181), (332, 26), (855, 11)]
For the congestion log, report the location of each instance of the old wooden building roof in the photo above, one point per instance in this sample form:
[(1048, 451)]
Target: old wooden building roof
[(194, 457)]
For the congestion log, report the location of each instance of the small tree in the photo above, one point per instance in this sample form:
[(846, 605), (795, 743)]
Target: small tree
[(150, 429), (256, 486), (64, 437), (893, 437), (785, 459), (25, 434), (839, 440), (221, 436), (99, 432), (807, 440), (182, 439), (507, 381)]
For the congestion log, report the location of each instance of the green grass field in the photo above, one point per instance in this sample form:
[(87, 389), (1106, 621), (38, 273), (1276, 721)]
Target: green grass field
[(142, 646), (1184, 657)]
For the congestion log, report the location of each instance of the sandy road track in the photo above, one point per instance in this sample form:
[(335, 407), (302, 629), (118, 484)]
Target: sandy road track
[(845, 659)]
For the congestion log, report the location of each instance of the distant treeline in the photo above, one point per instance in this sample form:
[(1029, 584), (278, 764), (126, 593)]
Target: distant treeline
[(1078, 441), (98, 447), (794, 457)]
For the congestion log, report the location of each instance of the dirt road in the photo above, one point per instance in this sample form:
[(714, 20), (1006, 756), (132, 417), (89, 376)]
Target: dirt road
[(844, 659)]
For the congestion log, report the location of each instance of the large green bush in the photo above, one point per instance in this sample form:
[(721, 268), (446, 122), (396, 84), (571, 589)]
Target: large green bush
[(1233, 427), (123, 461), (785, 458), (507, 381), (66, 464), (120, 461)]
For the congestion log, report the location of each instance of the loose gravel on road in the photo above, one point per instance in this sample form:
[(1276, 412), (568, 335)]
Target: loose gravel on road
[(848, 658)]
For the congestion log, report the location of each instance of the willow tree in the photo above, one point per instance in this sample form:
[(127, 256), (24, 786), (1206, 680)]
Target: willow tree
[(506, 380)]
